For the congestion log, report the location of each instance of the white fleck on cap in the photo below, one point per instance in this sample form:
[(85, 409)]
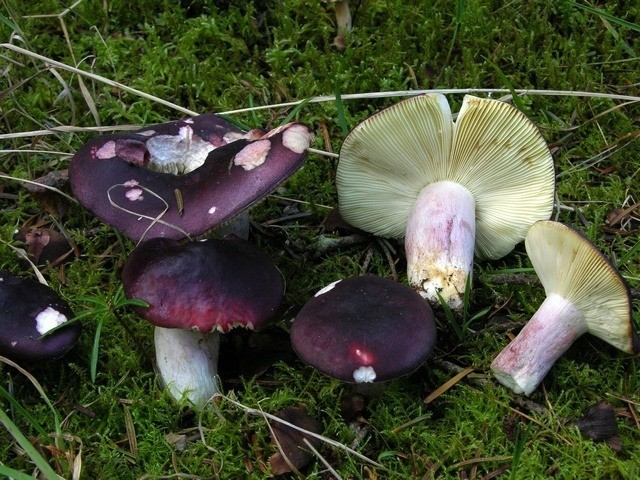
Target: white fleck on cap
[(48, 319)]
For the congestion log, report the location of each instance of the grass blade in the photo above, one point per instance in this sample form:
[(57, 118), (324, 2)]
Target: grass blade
[(295, 111), (454, 38), (607, 16), (22, 411), (512, 270), (235, 122), (30, 450), (514, 94), (254, 117), (15, 474), (448, 384), (451, 317), (465, 301), (342, 120), (38, 387), (629, 255), (95, 350), (518, 448)]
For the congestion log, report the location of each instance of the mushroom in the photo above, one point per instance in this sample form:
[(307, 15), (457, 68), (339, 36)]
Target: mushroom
[(343, 21), (585, 293), (195, 291), (451, 189), (182, 178), (28, 310), (364, 329)]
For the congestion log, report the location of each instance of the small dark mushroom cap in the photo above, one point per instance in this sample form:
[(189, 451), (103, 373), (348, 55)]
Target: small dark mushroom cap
[(212, 285), (364, 329), (132, 181), (28, 309)]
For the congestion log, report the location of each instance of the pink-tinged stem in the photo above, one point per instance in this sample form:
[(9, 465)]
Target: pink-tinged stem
[(523, 364), (439, 242)]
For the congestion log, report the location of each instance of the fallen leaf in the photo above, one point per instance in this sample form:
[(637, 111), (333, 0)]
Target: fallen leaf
[(291, 442)]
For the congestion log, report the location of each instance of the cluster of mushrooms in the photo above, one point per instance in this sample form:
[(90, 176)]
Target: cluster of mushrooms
[(453, 189)]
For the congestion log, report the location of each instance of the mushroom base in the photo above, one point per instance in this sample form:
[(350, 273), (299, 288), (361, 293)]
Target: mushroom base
[(439, 242), (523, 364), (188, 363)]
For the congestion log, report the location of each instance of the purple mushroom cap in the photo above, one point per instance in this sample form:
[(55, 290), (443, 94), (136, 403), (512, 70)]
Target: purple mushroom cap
[(28, 310), (364, 329), (182, 178), (211, 285)]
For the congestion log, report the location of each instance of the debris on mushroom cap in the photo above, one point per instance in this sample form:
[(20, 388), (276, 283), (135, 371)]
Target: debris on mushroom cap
[(364, 329), (493, 150), (185, 177), (212, 285), (28, 310)]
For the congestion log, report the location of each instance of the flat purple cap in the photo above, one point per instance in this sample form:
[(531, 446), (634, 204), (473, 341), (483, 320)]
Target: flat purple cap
[(182, 178), (364, 329), (28, 310), (212, 285)]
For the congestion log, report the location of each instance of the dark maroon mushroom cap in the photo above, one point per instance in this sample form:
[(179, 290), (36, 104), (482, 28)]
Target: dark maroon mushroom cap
[(215, 284), (364, 329), (28, 309), (110, 175)]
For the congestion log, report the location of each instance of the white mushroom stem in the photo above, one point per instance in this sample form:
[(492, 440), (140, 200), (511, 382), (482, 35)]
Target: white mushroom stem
[(343, 17), (523, 364), (440, 240), (188, 363)]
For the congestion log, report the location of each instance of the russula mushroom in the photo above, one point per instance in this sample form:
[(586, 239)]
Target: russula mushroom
[(195, 291), (364, 329), (343, 21), (182, 178), (28, 310), (585, 293), (451, 189)]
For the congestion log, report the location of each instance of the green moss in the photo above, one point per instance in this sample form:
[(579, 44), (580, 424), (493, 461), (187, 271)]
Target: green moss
[(217, 56)]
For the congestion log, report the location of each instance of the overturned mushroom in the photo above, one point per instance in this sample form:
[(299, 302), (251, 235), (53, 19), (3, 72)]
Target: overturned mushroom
[(585, 293), (182, 178), (451, 189)]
